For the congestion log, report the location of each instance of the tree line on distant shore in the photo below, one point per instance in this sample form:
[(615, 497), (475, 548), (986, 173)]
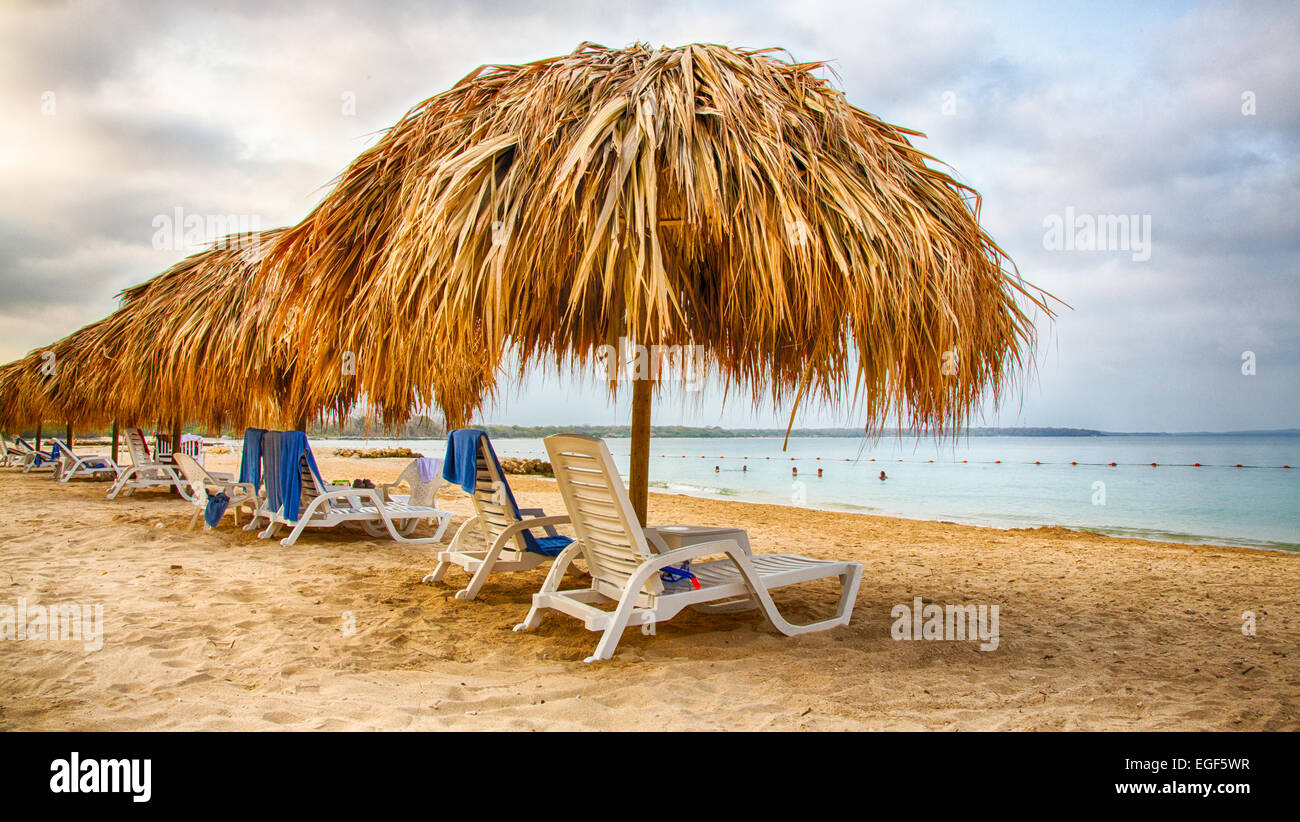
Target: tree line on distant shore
[(425, 427)]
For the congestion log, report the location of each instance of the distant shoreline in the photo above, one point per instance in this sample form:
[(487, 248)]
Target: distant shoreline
[(682, 432)]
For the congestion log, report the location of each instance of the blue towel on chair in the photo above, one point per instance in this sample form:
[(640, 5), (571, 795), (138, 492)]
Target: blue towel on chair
[(250, 466), (271, 469), (294, 448), (461, 468), (460, 465), (217, 504)]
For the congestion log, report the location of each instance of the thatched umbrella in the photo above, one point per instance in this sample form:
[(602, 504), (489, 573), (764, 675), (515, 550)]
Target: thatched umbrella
[(192, 342), (45, 385), (688, 196), (188, 344)]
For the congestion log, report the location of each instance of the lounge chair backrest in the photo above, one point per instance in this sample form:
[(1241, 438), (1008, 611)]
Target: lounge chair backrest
[(196, 477), (492, 500), (422, 493), (313, 485), (192, 444), (138, 447), (612, 538)]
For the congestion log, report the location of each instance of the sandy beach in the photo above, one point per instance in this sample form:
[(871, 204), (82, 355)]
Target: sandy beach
[(220, 630)]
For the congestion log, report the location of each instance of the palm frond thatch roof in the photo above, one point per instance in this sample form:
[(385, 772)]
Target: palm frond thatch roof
[(188, 344), (701, 194)]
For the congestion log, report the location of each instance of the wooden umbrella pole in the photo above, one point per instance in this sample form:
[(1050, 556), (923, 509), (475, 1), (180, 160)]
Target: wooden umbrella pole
[(113, 455), (640, 469), (38, 436), (176, 439), (67, 433)]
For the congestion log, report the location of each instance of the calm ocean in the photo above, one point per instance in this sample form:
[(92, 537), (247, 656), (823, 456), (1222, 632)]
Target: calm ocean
[(1257, 505)]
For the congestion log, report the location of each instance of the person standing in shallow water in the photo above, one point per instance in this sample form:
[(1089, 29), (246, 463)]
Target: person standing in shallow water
[(883, 477), (794, 472)]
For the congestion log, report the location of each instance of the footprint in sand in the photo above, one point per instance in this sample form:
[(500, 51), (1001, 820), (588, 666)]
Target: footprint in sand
[(281, 718)]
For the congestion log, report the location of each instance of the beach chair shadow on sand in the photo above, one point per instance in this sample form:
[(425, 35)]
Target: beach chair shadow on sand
[(625, 571)]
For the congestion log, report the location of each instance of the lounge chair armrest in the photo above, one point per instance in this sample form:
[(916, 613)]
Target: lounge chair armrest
[(513, 529), (702, 549), (543, 521), (537, 516)]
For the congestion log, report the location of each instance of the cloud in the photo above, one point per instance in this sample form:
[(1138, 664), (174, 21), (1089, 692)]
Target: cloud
[(1109, 110)]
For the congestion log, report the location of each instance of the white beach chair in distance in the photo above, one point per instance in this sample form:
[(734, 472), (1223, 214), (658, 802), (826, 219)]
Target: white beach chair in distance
[(201, 484), (505, 529), (417, 490), (9, 455), (16, 454), (145, 471), (72, 466), (30, 458), (626, 572), (321, 507)]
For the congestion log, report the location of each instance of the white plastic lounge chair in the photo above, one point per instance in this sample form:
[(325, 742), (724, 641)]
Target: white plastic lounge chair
[(503, 527), (320, 507), (16, 454), (625, 571), (147, 472), (419, 492), (72, 466), (31, 459), (201, 484)]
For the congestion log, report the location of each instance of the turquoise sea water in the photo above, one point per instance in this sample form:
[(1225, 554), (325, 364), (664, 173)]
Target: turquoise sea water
[(1216, 503)]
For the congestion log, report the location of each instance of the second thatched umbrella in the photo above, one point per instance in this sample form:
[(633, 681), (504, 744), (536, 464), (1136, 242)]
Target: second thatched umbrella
[(696, 196), (190, 344)]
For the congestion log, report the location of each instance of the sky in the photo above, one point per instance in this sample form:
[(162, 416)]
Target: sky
[(1177, 122)]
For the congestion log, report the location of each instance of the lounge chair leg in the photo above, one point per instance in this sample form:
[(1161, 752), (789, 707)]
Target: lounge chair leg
[(293, 535), (484, 571), (533, 619), (552, 584), (439, 572), (614, 632)]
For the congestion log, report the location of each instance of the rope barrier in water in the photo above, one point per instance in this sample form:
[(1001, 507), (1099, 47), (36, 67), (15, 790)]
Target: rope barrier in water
[(963, 462)]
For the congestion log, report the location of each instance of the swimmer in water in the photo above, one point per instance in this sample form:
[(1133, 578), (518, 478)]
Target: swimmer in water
[(794, 472), (883, 477), (819, 472), (716, 469)]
